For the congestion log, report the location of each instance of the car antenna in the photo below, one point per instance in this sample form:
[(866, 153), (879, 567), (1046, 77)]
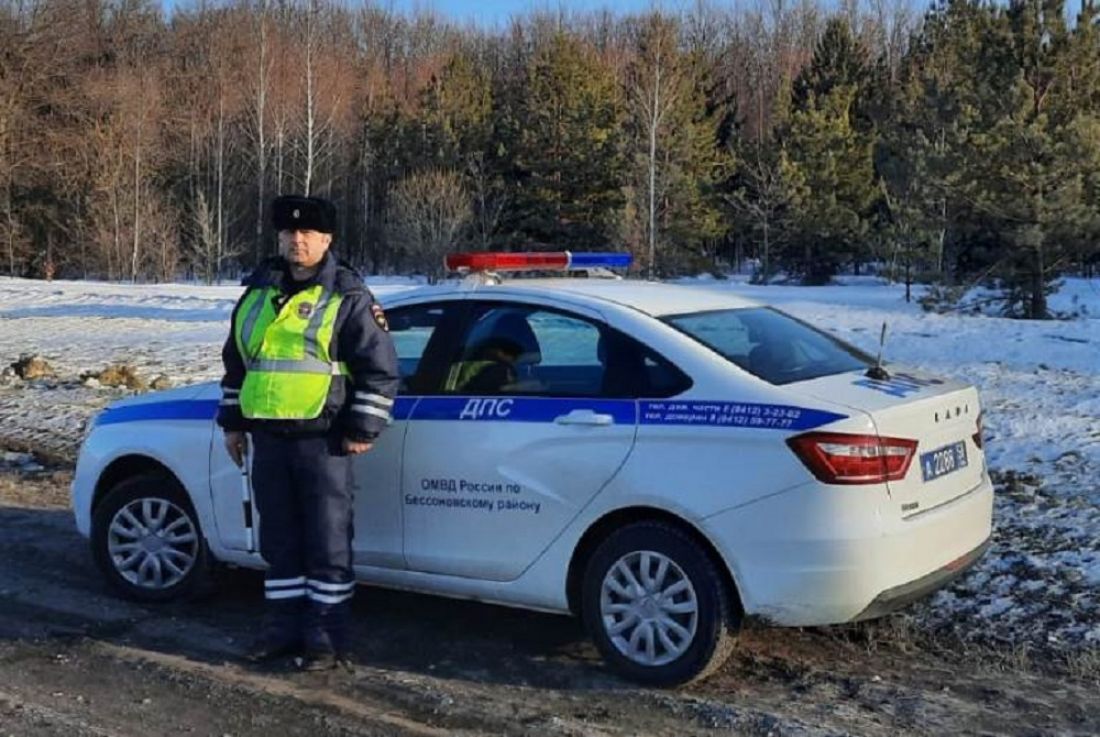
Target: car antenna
[(877, 372)]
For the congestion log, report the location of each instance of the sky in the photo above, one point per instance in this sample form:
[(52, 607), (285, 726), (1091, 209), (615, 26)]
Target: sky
[(492, 12), (488, 13)]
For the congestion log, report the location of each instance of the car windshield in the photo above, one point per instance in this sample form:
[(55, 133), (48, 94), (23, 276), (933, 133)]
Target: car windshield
[(771, 345)]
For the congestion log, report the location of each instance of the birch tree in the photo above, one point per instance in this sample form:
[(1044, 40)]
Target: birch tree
[(656, 87), (258, 114), (675, 159)]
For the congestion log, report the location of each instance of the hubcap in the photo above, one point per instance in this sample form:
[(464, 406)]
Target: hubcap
[(649, 608), (152, 543)]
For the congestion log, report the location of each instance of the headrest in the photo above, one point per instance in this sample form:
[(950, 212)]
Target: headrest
[(514, 327)]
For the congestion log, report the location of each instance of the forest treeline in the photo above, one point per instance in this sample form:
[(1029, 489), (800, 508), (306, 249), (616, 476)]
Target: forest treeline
[(954, 144)]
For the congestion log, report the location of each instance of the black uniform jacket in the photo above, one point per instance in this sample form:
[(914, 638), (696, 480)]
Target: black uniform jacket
[(359, 339)]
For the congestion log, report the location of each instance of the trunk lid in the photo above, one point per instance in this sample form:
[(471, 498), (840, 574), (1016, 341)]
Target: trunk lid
[(940, 414)]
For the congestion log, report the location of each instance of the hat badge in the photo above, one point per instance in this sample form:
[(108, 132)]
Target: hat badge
[(296, 214)]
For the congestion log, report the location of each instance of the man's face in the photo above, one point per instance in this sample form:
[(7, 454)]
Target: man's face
[(304, 248)]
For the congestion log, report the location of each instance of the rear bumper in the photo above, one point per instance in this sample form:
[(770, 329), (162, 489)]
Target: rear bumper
[(900, 596), (820, 554)]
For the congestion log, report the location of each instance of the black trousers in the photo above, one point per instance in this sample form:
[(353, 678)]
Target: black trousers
[(303, 493)]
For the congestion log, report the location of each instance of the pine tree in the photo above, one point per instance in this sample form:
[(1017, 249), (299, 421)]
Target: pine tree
[(453, 131), (1034, 158), (1080, 103), (830, 147), (909, 220), (926, 150), (563, 143), (453, 124), (839, 60)]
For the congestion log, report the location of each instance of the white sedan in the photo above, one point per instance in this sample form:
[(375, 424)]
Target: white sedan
[(662, 461)]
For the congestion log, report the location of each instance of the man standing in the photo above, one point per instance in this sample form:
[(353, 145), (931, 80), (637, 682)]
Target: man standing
[(310, 373)]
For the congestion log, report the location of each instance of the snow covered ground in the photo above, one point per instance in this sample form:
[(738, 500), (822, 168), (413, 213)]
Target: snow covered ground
[(1040, 384)]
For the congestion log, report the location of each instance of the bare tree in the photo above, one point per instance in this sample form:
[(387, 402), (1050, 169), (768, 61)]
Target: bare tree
[(23, 67), (11, 161), (326, 78), (203, 246), (655, 87), (769, 190), (427, 211), (258, 129), (888, 28), (124, 118), (204, 251), (285, 94), (769, 44), (160, 223), (142, 120), (312, 127), (490, 198)]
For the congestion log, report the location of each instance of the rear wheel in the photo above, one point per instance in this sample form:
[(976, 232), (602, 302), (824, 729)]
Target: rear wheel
[(147, 541), (657, 606)]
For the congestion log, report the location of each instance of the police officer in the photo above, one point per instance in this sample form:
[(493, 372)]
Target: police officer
[(310, 373)]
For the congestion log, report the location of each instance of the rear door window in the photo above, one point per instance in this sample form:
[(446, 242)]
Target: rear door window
[(771, 345)]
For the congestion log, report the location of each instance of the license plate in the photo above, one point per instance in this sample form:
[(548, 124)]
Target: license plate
[(942, 461)]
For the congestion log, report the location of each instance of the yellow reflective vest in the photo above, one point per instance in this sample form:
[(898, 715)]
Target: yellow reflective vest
[(286, 352)]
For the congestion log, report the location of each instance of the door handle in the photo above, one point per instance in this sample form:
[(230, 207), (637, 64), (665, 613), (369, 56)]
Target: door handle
[(585, 417)]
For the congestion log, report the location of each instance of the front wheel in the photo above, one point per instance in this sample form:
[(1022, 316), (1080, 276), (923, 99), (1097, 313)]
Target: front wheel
[(657, 606), (146, 540)]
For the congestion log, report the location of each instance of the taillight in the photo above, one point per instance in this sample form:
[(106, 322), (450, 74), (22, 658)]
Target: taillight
[(840, 458), (978, 435)]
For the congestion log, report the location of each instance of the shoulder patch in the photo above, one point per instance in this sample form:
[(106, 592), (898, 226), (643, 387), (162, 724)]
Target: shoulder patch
[(379, 316)]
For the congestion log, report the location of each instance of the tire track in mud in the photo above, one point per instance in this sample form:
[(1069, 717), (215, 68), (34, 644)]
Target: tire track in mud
[(818, 677), (232, 675), (41, 720), (435, 666), (101, 689)]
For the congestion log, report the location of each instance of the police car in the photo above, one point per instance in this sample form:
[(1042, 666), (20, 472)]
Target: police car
[(664, 462)]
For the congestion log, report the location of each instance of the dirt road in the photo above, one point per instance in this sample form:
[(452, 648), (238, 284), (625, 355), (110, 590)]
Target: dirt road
[(74, 660)]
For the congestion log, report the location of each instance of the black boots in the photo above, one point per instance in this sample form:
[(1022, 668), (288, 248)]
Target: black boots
[(269, 646)]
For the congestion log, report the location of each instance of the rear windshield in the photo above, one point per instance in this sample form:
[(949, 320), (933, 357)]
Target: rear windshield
[(766, 343)]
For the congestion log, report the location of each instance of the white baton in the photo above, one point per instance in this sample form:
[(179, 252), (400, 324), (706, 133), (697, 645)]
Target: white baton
[(246, 502)]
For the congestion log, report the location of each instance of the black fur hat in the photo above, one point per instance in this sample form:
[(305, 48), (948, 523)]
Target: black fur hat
[(294, 212)]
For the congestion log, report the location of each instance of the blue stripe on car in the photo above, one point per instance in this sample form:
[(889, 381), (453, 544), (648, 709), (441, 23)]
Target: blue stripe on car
[(402, 406), (519, 409), (735, 414), (197, 409), (176, 409), (532, 409)]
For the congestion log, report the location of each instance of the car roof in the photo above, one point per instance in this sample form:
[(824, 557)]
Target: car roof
[(652, 298)]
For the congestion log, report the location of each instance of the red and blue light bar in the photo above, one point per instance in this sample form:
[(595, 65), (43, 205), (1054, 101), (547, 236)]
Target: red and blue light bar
[(536, 261)]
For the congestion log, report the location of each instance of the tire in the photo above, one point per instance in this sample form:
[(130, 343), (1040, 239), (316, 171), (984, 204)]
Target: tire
[(147, 542), (617, 614)]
